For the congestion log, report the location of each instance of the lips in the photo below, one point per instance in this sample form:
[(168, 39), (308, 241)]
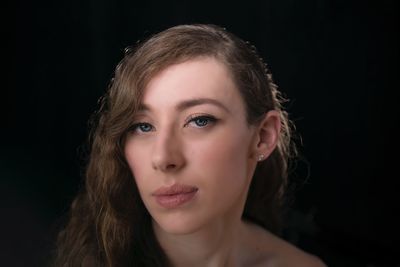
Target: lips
[(174, 196)]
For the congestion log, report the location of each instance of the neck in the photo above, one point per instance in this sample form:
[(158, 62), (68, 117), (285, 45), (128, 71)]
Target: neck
[(214, 245)]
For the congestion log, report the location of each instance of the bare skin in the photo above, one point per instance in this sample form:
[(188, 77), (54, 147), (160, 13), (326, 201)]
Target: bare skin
[(267, 249), (246, 245)]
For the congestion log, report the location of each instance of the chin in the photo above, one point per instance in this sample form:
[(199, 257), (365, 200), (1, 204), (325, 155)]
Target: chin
[(177, 224)]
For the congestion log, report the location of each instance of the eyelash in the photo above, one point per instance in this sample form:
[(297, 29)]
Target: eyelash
[(207, 120), (135, 127)]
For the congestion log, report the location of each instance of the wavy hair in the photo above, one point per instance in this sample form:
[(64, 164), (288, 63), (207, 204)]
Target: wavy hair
[(108, 223)]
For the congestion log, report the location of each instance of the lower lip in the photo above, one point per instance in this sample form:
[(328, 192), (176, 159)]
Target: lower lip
[(175, 201)]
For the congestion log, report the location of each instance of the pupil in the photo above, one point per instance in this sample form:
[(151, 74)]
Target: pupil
[(201, 122), (145, 127)]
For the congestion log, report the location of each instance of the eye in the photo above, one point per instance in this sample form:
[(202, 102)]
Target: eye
[(142, 127), (201, 121)]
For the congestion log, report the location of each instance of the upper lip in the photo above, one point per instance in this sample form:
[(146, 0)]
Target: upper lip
[(174, 189)]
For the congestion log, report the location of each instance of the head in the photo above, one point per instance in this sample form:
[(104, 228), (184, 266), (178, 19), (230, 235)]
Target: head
[(136, 96), (192, 138)]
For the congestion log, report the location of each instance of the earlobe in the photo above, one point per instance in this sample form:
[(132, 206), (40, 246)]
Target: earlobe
[(268, 134)]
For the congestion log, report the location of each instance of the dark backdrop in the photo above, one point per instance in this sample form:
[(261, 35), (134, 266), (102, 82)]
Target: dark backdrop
[(336, 60)]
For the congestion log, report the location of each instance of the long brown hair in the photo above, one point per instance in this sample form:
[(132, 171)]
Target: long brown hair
[(109, 225)]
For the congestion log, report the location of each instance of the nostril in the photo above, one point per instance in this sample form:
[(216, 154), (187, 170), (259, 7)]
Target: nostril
[(171, 166)]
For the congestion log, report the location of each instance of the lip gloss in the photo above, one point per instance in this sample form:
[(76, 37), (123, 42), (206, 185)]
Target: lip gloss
[(174, 196)]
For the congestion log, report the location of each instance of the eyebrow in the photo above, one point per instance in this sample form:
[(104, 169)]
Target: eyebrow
[(191, 103)]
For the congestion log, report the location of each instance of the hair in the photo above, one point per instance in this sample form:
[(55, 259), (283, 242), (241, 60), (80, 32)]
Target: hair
[(108, 223)]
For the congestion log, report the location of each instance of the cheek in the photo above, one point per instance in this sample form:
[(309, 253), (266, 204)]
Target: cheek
[(137, 160), (223, 168), (223, 161)]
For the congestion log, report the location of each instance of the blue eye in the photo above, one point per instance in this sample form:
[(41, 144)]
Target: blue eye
[(201, 121), (142, 127)]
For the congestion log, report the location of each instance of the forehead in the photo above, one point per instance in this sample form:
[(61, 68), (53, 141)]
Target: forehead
[(197, 78)]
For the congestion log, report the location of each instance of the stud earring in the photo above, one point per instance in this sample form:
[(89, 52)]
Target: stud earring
[(260, 157)]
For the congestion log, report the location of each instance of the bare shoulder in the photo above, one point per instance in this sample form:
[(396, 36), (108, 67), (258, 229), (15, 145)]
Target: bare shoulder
[(276, 252)]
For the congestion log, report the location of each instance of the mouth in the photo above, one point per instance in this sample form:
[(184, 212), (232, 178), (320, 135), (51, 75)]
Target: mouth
[(174, 196)]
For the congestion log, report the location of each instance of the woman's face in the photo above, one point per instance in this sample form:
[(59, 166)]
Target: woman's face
[(190, 149)]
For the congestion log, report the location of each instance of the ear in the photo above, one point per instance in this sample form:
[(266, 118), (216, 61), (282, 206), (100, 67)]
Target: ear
[(267, 135)]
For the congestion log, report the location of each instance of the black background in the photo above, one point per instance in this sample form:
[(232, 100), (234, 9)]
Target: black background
[(336, 60)]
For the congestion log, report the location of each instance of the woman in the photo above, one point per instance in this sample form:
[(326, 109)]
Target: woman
[(189, 160)]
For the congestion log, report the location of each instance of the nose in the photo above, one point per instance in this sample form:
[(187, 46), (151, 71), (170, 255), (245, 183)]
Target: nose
[(167, 152)]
